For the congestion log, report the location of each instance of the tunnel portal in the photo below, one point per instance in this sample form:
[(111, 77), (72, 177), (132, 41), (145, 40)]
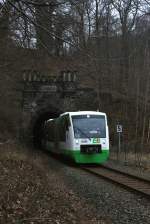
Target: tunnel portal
[(44, 98)]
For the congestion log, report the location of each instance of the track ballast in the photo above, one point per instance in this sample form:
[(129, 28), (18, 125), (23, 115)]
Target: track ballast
[(126, 180)]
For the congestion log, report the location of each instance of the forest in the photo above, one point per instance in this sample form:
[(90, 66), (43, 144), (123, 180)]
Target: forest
[(109, 40)]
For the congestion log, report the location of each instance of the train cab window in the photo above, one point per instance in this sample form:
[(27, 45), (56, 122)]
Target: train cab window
[(89, 126)]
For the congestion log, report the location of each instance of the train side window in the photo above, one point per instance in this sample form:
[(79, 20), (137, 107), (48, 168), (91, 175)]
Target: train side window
[(64, 124), (67, 122)]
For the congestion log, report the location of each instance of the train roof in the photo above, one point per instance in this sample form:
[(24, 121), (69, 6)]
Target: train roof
[(83, 113)]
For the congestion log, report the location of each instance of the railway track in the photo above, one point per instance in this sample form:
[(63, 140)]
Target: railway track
[(131, 182)]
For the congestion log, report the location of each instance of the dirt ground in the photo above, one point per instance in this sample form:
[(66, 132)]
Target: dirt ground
[(31, 192)]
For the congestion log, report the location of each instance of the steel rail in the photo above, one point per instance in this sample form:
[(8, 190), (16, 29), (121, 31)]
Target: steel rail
[(125, 180), (126, 173)]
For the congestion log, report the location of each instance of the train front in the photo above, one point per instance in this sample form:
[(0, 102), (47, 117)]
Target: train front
[(90, 137)]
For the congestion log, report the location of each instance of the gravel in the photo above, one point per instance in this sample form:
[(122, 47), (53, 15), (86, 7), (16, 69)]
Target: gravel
[(110, 202), (36, 188)]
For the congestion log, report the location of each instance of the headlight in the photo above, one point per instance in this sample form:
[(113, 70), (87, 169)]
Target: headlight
[(77, 141)]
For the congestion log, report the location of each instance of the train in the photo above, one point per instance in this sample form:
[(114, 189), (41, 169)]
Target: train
[(82, 136)]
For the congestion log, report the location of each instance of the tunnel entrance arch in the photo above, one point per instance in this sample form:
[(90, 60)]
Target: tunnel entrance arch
[(46, 97)]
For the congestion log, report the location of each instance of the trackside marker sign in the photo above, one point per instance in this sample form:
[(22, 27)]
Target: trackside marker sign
[(119, 128)]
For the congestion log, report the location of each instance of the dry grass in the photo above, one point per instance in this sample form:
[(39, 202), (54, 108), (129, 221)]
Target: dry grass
[(138, 159)]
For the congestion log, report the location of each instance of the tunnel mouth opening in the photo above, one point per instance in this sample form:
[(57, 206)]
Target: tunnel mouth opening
[(39, 125)]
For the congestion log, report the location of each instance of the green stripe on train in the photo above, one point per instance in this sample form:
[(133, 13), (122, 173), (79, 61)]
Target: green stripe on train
[(79, 157), (87, 158)]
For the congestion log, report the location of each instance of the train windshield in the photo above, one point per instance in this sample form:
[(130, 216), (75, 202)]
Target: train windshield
[(89, 126)]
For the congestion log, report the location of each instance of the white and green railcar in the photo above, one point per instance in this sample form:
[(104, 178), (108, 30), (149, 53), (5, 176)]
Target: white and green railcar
[(82, 135)]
